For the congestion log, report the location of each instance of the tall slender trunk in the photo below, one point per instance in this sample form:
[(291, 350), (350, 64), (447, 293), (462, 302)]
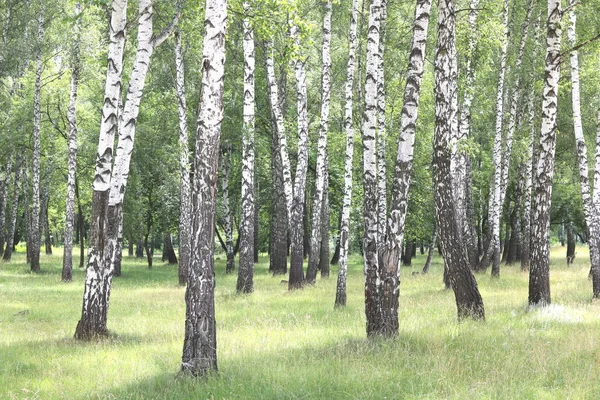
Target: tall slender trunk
[(340, 295), (185, 217), (98, 275), (591, 210), (225, 163), (324, 251), (492, 253), (10, 232), (370, 205), (391, 251), (45, 223), (67, 267), (468, 300), (246, 272), (296, 276), (200, 344), (321, 168), (462, 172), (35, 233), (381, 130), (539, 271)]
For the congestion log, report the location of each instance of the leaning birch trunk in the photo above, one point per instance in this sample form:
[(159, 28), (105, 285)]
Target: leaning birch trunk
[(10, 232), (3, 205), (462, 171), (589, 208), (340, 294), (370, 189), (468, 300), (539, 270), (185, 216), (296, 276), (316, 235), (381, 130), (390, 258), (226, 161), (98, 276), (67, 267), (245, 281), (146, 44), (200, 343), (35, 233), (492, 254)]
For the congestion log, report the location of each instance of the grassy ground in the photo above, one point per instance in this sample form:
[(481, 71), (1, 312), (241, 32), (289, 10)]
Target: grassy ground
[(277, 344)]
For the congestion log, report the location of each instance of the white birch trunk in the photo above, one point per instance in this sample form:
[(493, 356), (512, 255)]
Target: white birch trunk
[(371, 193), (396, 221), (185, 216), (494, 207), (226, 161), (591, 212), (200, 343), (381, 129), (67, 267), (321, 168), (95, 303), (461, 172), (245, 282), (539, 271), (340, 296), (5, 181), (36, 233), (10, 232)]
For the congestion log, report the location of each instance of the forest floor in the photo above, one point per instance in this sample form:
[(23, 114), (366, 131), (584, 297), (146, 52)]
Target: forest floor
[(275, 344)]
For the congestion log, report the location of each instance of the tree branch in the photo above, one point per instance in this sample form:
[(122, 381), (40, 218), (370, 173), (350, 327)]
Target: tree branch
[(157, 40)]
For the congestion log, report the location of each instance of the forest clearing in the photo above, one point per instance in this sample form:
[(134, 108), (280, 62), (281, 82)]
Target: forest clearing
[(277, 344)]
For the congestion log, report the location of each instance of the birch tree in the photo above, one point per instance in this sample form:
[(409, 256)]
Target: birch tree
[(492, 253), (396, 222), (35, 233), (185, 216), (4, 184), (10, 232), (340, 294), (98, 276), (246, 269), (468, 300), (67, 267), (592, 218), (370, 188), (200, 343), (228, 225), (381, 129), (539, 270), (321, 168)]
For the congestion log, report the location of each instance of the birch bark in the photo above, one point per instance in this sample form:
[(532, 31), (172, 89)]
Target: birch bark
[(36, 233), (97, 279), (321, 168), (340, 294), (246, 272), (67, 267), (468, 300), (200, 343), (539, 271), (185, 216), (6, 173), (370, 188), (381, 129), (391, 252), (590, 209), (226, 161)]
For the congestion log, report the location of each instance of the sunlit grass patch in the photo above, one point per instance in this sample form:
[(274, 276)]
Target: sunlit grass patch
[(279, 344)]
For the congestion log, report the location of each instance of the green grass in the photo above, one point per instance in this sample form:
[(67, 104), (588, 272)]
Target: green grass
[(277, 344)]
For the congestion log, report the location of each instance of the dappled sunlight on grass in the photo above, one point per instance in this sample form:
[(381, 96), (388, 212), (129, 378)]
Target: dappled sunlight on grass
[(279, 344)]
